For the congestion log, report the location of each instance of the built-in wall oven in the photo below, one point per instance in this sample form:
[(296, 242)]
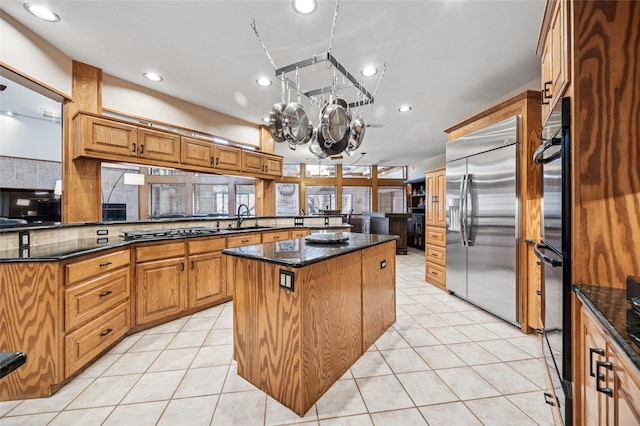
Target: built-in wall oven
[(554, 252)]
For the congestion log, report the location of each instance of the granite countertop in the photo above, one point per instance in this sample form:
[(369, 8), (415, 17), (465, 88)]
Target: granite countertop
[(610, 307), (299, 252), (63, 250)]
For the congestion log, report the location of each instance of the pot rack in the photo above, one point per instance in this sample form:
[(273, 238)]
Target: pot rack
[(316, 96)]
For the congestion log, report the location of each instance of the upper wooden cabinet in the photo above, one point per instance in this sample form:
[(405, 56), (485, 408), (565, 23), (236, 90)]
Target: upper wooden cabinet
[(259, 163), (158, 145), (553, 48), (204, 153), (111, 139), (435, 202)]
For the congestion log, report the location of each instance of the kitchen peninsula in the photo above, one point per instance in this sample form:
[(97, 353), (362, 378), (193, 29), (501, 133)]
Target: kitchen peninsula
[(305, 312)]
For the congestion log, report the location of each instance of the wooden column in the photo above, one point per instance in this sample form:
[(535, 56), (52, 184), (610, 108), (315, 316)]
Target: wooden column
[(81, 178)]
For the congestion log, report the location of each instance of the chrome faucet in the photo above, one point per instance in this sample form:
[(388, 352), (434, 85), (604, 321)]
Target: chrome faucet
[(240, 219)]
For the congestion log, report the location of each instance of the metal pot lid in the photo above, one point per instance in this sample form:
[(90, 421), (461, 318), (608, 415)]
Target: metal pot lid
[(275, 122), (295, 122), (334, 122)]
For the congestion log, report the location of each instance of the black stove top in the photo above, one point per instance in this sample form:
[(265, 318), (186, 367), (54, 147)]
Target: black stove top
[(165, 233)]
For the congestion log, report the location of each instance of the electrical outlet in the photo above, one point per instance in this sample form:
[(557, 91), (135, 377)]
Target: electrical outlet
[(326, 221), (25, 238), (286, 280), (383, 264), (102, 232)]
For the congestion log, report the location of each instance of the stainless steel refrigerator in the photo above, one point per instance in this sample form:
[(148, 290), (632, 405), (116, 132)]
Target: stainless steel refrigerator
[(483, 212)]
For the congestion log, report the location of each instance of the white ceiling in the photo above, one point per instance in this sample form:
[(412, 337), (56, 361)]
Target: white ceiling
[(447, 59)]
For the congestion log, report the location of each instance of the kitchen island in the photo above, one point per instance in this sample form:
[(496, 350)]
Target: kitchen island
[(305, 312)]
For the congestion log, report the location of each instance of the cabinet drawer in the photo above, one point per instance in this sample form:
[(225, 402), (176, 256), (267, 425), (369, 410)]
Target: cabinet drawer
[(436, 255), (244, 240), (207, 246), (87, 268), (84, 344), (436, 236), (159, 251), (91, 298), (269, 237), (299, 233), (435, 273)]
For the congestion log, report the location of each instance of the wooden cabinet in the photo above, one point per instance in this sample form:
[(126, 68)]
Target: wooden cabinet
[(244, 240), (260, 163), (161, 281), (553, 49), (158, 145), (207, 280), (607, 391), (272, 236), (96, 306), (435, 228), (378, 292), (206, 154), (299, 233), (97, 136), (435, 199), (415, 231)]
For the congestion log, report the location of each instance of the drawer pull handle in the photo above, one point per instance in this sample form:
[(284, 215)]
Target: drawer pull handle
[(193, 265), (106, 293), (181, 266), (434, 273), (134, 146), (105, 264), (141, 148), (276, 237), (245, 241), (548, 399), (600, 377), (107, 331), (598, 351), (434, 255)]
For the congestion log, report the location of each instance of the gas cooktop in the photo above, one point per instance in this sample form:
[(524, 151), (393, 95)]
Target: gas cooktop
[(166, 233)]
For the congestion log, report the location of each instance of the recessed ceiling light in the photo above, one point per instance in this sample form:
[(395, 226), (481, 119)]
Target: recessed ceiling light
[(41, 12), (304, 7), (153, 76), (404, 108), (264, 82), (369, 71)]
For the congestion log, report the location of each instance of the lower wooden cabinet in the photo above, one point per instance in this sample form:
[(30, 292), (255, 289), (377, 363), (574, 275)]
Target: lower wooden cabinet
[(299, 233), (88, 341), (161, 281), (270, 237), (378, 292), (207, 278), (607, 389)]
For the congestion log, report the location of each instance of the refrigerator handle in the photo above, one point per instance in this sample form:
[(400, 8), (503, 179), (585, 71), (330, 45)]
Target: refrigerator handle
[(538, 155), (463, 210), (546, 259)]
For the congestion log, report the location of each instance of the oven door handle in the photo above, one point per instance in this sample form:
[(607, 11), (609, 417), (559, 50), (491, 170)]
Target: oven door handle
[(538, 155), (537, 249)]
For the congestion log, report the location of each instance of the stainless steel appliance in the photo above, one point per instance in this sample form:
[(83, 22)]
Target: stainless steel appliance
[(168, 233), (554, 252), (482, 218)]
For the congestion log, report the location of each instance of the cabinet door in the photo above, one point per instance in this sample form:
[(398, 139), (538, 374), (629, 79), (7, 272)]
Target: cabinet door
[(594, 410), (156, 145), (252, 162), (272, 165), (439, 204), (161, 289), (625, 400), (196, 152), (100, 135), (227, 157), (206, 280), (430, 212)]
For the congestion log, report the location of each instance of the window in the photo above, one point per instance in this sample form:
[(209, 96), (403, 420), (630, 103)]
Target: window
[(291, 170), (391, 199), (320, 198), (287, 199), (211, 200), (168, 200), (357, 198), (246, 194), (320, 170), (356, 172), (391, 172)]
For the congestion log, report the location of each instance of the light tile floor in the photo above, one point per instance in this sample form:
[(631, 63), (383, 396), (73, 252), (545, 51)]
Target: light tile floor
[(444, 362)]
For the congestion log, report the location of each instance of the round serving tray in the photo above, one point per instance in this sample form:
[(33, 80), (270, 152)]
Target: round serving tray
[(327, 237)]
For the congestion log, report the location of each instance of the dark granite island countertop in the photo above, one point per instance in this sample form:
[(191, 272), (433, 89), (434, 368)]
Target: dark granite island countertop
[(299, 252), (610, 307)]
